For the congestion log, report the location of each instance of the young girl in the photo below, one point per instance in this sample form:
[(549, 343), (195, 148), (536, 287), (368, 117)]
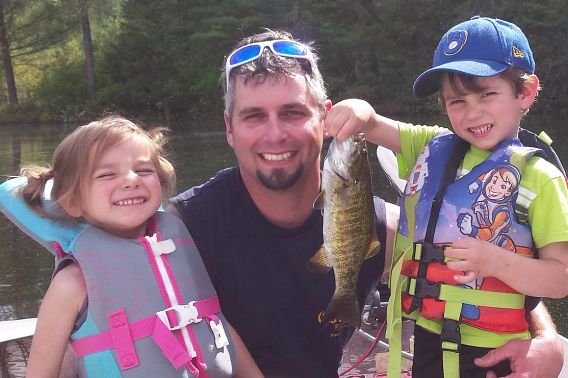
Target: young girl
[(129, 288)]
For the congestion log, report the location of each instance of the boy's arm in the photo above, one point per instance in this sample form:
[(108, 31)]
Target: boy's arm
[(541, 356), (354, 116), (479, 258)]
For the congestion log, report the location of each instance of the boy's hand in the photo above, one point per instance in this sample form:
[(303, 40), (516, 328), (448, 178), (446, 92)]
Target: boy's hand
[(348, 117), (477, 258)]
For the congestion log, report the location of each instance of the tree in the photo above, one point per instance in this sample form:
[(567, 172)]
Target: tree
[(26, 28), (7, 59)]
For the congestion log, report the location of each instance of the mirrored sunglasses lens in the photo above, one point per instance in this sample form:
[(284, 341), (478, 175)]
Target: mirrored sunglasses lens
[(290, 48), (244, 54)]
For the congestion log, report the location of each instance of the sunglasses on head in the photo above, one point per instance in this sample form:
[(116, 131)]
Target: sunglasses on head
[(252, 51)]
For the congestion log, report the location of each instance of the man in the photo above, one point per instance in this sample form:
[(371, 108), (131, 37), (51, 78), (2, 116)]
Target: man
[(255, 225)]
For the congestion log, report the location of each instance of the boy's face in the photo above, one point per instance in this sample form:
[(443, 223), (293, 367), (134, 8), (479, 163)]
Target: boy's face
[(486, 118)]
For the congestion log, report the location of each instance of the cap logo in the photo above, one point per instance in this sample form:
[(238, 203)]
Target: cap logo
[(518, 53), (455, 41)]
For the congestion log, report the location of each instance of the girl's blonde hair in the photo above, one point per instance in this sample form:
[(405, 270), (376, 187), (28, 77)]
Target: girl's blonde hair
[(74, 160)]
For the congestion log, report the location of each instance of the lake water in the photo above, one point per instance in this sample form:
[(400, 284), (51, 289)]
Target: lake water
[(25, 268)]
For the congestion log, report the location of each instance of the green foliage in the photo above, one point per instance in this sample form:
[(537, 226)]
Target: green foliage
[(162, 59)]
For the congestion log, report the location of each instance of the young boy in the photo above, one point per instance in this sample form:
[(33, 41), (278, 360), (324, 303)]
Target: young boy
[(473, 197)]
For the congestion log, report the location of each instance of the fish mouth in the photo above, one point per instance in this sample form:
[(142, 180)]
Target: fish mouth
[(480, 131), (358, 138), (277, 157), (130, 201)]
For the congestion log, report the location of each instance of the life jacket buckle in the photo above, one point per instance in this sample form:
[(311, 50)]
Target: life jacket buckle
[(221, 339), (427, 252), (450, 334), (426, 289), (182, 314)]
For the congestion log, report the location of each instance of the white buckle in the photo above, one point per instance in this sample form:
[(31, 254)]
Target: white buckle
[(185, 314), (221, 339)]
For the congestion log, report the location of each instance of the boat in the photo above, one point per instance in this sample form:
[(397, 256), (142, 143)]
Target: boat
[(367, 341)]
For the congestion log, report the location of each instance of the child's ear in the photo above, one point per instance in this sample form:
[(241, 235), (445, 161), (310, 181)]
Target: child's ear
[(530, 91), (71, 208)]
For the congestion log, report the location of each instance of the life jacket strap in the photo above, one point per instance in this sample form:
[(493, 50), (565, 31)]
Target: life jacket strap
[(450, 339), (123, 334), (428, 252), (457, 294)]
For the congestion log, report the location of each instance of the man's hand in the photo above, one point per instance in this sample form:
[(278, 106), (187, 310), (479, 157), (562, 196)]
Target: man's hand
[(528, 358), (540, 357)]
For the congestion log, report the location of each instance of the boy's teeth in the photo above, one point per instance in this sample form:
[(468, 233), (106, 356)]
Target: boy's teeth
[(480, 130)]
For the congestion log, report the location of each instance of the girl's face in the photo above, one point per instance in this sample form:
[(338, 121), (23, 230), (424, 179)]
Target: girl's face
[(123, 191)]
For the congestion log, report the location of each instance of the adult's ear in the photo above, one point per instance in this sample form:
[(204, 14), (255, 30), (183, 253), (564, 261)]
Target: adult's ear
[(228, 129)]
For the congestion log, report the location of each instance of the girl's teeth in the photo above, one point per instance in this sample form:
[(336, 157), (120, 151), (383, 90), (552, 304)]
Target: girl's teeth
[(130, 201)]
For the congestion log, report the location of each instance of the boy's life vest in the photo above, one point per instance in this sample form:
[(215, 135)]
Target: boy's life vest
[(151, 311), (435, 211)]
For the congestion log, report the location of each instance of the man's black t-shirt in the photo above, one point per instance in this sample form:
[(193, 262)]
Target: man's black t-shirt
[(261, 275)]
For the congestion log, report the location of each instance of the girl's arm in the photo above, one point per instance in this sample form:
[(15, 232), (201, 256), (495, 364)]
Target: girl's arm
[(246, 367), (56, 318), (546, 276)]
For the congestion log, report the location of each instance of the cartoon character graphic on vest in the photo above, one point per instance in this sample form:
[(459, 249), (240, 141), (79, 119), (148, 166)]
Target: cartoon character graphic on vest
[(419, 173), (493, 208)]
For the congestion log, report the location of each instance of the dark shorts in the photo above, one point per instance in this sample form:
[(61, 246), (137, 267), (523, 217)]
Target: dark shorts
[(427, 361)]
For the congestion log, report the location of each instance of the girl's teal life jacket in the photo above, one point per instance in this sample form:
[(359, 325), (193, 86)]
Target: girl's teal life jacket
[(151, 308)]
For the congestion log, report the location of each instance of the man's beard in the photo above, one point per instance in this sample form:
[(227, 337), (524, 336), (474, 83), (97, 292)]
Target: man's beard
[(279, 179)]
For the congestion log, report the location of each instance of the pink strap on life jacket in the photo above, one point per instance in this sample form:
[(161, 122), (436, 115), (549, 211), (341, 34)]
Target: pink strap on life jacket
[(122, 334)]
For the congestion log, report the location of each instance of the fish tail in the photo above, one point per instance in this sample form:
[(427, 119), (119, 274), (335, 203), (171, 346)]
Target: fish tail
[(344, 308)]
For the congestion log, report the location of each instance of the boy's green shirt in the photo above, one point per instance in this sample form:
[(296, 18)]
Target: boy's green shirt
[(548, 212)]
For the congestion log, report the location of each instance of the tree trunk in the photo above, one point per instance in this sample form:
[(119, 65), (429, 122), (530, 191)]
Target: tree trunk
[(88, 49), (7, 59)]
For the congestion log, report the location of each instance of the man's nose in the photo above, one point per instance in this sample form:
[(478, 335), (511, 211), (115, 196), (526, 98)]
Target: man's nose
[(276, 130)]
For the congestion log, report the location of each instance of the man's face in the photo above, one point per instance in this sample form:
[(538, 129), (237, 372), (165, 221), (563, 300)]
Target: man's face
[(276, 131)]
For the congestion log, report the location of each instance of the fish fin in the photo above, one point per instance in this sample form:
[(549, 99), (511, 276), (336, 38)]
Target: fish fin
[(374, 247), (319, 261), (320, 199), (344, 308)]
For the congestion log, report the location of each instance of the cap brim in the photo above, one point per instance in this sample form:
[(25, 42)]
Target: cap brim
[(429, 81)]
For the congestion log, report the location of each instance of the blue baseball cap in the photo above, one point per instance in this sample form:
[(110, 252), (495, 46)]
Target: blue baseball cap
[(480, 46)]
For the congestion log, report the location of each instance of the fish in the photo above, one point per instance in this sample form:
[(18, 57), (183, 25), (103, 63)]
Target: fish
[(349, 237)]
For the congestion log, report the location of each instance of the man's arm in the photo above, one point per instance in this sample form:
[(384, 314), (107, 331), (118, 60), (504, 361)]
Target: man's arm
[(392, 215), (540, 357)]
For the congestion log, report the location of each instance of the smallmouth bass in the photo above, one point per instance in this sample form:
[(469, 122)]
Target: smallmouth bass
[(346, 200)]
